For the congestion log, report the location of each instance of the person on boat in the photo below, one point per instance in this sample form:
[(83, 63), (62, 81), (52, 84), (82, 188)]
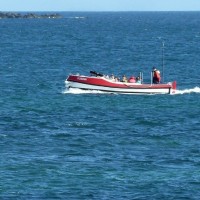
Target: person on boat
[(106, 76), (132, 79), (124, 79), (116, 79), (138, 80), (112, 77), (156, 76)]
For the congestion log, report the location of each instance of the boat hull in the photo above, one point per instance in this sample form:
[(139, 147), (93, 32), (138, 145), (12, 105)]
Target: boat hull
[(105, 85)]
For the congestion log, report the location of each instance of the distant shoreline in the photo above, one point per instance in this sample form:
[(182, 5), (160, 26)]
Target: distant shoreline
[(28, 15)]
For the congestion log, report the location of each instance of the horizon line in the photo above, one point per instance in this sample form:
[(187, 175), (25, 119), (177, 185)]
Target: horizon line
[(100, 11)]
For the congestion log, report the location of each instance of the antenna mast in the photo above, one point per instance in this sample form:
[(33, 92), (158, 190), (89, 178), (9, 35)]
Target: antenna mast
[(163, 45)]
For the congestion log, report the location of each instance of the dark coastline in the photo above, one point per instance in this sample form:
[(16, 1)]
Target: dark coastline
[(13, 15)]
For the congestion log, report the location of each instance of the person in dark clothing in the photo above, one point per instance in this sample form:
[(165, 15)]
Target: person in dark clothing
[(156, 76)]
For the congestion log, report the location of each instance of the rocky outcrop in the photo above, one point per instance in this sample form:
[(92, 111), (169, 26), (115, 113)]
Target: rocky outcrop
[(13, 15)]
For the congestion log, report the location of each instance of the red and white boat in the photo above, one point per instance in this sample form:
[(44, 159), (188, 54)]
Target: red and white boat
[(99, 82)]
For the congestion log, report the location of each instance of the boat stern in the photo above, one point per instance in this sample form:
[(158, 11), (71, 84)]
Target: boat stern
[(174, 85), (173, 88)]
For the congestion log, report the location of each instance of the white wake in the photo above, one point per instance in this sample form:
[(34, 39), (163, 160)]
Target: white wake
[(80, 91), (188, 91)]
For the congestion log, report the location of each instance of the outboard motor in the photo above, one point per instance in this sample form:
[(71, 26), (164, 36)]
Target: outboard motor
[(95, 73)]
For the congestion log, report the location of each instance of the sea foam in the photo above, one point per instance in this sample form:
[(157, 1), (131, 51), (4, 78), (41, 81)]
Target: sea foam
[(188, 91)]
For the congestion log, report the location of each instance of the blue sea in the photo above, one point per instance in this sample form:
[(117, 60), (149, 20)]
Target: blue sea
[(61, 144)]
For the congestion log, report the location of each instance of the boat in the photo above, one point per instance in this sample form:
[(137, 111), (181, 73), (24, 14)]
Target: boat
[(99, 82)]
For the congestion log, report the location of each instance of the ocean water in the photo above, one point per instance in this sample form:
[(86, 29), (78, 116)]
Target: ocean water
[(60, 144)]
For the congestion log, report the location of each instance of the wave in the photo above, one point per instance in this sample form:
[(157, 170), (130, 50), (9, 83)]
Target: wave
[(80, 91), (188, 91), (77, 17)]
